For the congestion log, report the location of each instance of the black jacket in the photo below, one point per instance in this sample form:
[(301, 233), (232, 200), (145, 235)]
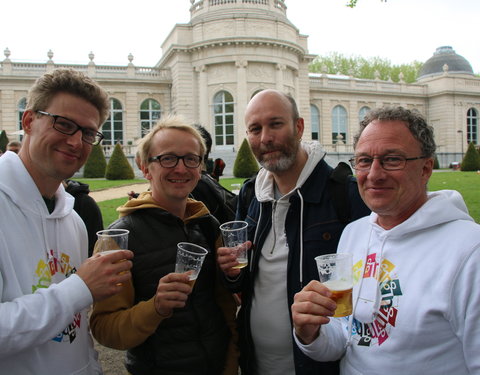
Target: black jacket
[(321, 232), (86, 207)]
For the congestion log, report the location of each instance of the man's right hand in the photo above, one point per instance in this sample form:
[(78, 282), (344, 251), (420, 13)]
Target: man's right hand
[(311, 309), (227, 259), (105, 274), (172, 292)]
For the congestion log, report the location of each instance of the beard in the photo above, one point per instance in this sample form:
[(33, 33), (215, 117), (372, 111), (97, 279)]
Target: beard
[(288, 154)]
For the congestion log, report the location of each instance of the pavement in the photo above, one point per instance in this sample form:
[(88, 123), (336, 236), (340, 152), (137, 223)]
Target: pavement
[(118, 192)]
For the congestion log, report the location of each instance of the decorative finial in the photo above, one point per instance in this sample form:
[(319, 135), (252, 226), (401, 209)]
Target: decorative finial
[(130, 57), (445, 68), (6, 52), (91, 56), (50, 54)]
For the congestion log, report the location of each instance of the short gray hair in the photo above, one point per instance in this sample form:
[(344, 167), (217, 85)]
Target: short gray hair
[(415, 122)]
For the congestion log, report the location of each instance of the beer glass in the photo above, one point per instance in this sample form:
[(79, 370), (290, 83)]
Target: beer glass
[(190, 258), (234, 236), (110, 240), (336, 273)]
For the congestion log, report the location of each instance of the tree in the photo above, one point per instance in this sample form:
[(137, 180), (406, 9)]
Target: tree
[(118, 167), (3, 141), (96, 163), (353, 3), (245, 165), (471, 160), (368, 68)]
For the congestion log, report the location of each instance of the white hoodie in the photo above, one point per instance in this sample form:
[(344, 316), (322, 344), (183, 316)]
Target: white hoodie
[(426, 319), (269, 317), (43, 319)]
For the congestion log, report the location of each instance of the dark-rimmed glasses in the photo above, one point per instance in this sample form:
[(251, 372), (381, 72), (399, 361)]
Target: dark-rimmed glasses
[(388, 162), (70, 127), (171, 160)]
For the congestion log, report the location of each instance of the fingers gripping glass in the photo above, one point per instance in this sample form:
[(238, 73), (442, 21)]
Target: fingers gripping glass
[(171, 160), (388, 162), (70, 127)]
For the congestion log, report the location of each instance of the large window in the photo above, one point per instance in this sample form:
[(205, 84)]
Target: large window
[(361, 114), (112, 129), (339, 124), (150, 113), (223, 113), (472, 126), (315, 121), (22, 104)]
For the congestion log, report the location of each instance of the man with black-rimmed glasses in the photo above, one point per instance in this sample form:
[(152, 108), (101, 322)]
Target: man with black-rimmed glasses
[(167, 325), (46, 281)]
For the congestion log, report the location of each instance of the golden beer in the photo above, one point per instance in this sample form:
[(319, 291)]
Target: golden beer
[(342, 295), (241, 264)]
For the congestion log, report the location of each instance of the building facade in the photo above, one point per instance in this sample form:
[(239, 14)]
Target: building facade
[(230, 50)]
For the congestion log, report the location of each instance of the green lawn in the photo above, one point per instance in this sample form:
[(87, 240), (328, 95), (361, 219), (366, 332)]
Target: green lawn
[(467, 183), (101, 183)]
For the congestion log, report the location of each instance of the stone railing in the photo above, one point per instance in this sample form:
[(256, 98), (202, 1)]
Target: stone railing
[(9, 68), (198, 5), (320, 81)]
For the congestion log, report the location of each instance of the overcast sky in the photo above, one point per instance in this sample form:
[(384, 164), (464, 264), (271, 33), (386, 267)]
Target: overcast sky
[(399, 30)]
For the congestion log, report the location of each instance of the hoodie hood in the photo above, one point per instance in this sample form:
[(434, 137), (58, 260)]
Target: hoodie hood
[(264, 183), (441, 207), (18, 185), (194, 208)]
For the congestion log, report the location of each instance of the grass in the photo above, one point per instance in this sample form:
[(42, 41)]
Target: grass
[(467, 183)]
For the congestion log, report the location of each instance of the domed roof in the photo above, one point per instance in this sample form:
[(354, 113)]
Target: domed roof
[(445, 59)]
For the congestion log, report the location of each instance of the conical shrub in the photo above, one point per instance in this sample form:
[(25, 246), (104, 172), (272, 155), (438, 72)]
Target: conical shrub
[(471, 160), (436, 164), (118, 167), (3, 141), (245, 165), (96, 163)]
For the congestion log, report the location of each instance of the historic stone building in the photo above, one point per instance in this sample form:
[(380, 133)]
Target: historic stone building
[(231, 49)]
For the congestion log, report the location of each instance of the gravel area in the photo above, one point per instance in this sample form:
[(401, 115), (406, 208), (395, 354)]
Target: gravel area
[(118, 192), (111, 360)]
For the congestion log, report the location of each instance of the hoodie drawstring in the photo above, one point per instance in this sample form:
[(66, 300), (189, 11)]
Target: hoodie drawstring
[(301, 238)]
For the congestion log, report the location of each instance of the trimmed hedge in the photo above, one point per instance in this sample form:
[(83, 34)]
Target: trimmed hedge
[(471, 160), (3, 141), (96, 164), (245, 165), (118, 167)]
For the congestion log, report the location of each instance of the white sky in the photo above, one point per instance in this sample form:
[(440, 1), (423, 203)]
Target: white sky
[(398, 30)]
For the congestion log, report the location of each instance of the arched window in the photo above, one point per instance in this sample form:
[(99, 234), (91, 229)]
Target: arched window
[(339, 124), (223, 113), (315, 121), (363, 111), (150, 113), (256, 92), (22, 104), (472, 126), (112, 129)]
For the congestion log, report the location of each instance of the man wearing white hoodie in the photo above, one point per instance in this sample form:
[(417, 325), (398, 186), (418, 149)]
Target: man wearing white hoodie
[(415, 258), (292, 219), (46, 281)]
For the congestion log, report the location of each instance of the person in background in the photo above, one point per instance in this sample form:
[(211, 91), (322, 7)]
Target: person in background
[(14, 146), (220, 202), (166, 325), (417, 293), (292, 218), (87, 208), (46, 281)]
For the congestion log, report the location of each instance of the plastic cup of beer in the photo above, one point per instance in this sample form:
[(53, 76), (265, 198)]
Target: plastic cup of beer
[(111, 240), (336, 273), (234, 235), (190, 258)]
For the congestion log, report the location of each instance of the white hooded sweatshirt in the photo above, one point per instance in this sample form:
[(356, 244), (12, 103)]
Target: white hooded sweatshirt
[(43, 319), (416, 295), (269, 317)]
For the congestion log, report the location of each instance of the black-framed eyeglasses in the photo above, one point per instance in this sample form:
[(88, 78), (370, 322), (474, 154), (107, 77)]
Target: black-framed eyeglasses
[(171, 160), (388, 162), (69, 127)]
